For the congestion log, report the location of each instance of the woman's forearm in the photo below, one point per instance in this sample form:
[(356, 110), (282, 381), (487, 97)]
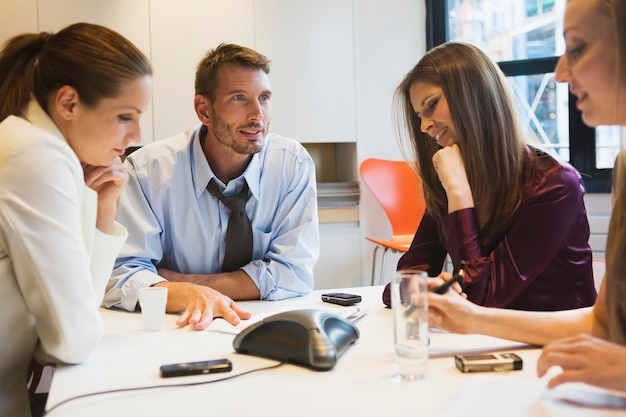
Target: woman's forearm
[(533, 327)]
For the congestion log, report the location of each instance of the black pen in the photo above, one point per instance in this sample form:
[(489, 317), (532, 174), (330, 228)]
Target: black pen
[(443, 287), (446, 285)]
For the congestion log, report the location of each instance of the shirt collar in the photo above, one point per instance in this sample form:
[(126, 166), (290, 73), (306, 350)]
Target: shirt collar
[(38, 117), (203, 173)]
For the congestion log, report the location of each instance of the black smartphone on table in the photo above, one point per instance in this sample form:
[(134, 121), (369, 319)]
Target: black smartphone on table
[(196, 368), (341, 298)]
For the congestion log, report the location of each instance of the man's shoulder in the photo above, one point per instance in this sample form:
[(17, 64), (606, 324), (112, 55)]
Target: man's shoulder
[(177, 143), (163, 151), (275, 142)]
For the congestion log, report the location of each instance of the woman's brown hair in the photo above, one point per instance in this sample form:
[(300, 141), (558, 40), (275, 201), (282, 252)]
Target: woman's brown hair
[(490, 137), (92, 59), (616, 237)]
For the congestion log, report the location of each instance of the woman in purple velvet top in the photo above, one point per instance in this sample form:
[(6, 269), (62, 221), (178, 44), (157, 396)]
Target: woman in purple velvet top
[(587, 344), (510, 212)]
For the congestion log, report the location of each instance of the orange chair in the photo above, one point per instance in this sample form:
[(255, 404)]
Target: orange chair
[(398, 189)]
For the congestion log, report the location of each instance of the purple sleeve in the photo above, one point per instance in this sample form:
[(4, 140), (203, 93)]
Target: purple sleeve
[(548, 219), (426, 252)]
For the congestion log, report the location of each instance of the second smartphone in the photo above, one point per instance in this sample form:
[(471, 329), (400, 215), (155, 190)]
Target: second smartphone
[(196, 368), (488, 362)]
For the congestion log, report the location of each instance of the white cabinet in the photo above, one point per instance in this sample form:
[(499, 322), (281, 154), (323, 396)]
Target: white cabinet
[(182, 31), (128, 17), (311, 45), (340, 257)]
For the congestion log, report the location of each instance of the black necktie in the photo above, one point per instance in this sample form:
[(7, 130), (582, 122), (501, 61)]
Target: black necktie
[(239, 233)]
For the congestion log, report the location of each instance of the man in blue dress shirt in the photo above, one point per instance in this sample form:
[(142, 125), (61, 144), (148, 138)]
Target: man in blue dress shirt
[(177, 228)]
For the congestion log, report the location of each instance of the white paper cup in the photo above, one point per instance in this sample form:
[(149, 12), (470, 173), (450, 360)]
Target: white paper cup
[(409, 302), (152, 301)]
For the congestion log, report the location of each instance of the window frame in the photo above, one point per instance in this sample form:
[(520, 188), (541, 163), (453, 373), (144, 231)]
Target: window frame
[(582, 139)]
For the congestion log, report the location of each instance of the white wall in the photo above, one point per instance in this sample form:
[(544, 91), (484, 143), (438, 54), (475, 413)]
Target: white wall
[(180, 32), (599, 211)]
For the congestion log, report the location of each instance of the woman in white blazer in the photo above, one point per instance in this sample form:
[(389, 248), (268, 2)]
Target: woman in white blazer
[(70, 105)]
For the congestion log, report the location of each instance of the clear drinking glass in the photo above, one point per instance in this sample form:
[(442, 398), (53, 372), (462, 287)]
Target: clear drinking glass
[(409, 302)]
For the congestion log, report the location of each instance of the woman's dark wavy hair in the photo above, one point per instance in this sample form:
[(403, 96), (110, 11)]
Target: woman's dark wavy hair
[(616, 237), (489, 133)]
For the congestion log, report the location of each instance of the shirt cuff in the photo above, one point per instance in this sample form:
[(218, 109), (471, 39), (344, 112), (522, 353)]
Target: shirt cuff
[(129, 292), (255, 270)]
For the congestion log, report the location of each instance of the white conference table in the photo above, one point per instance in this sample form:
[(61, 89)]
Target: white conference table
[(361, 383)]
